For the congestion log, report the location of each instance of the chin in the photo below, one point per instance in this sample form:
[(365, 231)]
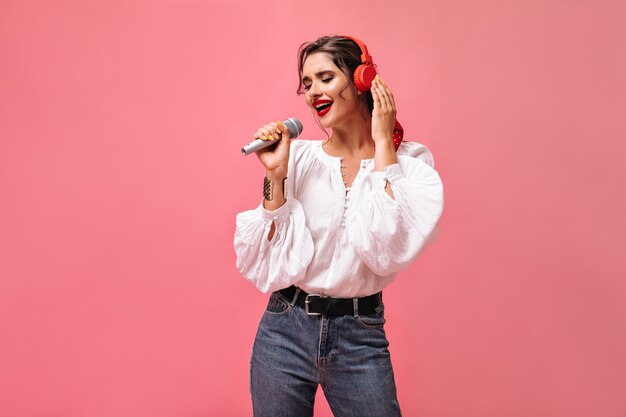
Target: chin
[(325, 122)]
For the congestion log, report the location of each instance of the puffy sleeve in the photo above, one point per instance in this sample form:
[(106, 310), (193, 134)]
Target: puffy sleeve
[(389, 233), (278, 263)]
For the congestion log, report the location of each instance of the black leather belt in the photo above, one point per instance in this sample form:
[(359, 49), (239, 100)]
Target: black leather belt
[(315, 304)]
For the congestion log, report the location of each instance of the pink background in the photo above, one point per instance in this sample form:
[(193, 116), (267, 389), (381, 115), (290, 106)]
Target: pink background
[(120, 178)]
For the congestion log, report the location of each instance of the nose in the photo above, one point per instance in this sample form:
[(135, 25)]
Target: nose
[(314, 91)]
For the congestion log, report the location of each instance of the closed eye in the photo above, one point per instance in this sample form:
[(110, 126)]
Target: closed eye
[(325, 81)]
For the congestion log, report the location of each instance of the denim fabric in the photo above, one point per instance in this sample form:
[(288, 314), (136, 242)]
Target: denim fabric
[(293, 353)]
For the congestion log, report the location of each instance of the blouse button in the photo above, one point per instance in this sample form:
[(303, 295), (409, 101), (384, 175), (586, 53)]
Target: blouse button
[(343, 224)]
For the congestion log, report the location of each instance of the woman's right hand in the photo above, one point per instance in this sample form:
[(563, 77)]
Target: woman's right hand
[(276, 157)]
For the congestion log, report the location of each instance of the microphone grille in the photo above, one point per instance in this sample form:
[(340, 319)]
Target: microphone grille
[(294, 126)]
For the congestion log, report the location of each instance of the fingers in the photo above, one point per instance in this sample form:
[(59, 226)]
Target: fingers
[(382, 96), (389, 94), (380, 92), (268, 132), (376, 96), (386, 92), (283, 129)]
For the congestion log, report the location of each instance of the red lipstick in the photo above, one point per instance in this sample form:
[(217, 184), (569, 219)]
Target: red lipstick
[(322, 106)]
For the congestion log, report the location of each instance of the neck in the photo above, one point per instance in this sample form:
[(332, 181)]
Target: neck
[(352, 139)]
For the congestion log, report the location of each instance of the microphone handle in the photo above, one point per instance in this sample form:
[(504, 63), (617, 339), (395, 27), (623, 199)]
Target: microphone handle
[(294, 126), (258, 144)]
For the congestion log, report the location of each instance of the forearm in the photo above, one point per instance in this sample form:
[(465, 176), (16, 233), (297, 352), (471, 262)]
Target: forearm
[(385, 155), (277, 196)]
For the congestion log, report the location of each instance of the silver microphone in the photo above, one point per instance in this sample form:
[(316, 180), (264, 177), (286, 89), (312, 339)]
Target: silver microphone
[(294, 126)]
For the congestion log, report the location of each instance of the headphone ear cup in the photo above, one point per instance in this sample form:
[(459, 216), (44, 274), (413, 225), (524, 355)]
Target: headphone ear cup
[(364, 74)]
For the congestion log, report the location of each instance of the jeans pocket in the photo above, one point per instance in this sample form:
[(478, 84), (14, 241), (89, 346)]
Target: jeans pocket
[(373, 321), (277, 304)]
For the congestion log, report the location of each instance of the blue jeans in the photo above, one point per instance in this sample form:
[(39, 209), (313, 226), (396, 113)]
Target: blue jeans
[(293, 353)]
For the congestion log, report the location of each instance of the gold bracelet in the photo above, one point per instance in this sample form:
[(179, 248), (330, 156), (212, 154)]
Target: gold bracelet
[(268, 189)]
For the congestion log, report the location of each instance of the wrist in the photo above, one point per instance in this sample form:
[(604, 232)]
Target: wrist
[(276, 174), (275, 190), (383, 141), (384, 148), (384, 155)]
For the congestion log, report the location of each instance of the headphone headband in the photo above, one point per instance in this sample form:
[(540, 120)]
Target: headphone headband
[(366, 58)]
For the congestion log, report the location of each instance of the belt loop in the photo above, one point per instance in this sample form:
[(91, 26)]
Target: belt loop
[(295, 297), (355, 303)]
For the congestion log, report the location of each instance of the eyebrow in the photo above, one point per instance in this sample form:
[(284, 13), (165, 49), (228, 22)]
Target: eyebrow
[(318, 74)]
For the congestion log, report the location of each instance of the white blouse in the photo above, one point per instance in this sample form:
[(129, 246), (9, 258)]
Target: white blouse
[(341, 244)]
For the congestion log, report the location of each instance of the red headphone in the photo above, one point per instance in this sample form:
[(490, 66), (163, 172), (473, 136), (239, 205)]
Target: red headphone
[(364, 74)]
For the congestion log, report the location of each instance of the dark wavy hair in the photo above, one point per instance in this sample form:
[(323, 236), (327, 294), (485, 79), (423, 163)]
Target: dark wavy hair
[(344, 52)]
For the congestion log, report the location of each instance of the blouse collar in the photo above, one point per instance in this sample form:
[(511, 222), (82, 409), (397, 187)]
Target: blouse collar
[(333, 160)]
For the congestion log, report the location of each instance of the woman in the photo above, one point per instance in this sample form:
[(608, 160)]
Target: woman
[(356, 212)]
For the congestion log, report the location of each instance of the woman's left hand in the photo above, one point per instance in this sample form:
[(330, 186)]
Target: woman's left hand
[(384, 114)]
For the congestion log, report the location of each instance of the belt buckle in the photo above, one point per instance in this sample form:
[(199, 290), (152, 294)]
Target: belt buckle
[(307, 302)]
